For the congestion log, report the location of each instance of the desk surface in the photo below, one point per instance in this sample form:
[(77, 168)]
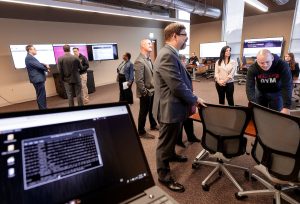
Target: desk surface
[(250, 130)]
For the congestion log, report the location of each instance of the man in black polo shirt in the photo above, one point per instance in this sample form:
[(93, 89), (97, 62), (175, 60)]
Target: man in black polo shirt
[(269, 82)]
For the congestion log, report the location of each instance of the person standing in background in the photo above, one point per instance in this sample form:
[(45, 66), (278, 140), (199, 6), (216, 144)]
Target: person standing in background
[(69, 67), (193, 59), (125, 75), (224, 73), (290, 59), (37, 75), (144, 88), (83, 74), (173, 100)]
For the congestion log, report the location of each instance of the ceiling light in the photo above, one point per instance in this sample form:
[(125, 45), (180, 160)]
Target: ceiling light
[(257, 5)]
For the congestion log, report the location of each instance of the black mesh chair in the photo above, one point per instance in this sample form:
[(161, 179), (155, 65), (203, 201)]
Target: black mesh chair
[(241, 72), (223, 138), (276, 152)]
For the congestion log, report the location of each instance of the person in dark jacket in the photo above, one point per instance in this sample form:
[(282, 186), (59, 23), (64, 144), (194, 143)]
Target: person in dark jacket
[(125, 75), (69, 67), (269, 82), (37, 75), (83, 74)]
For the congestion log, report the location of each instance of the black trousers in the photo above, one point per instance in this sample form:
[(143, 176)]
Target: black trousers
[(146, 104), (225, 90), (168, 134), (125, 95), (273, 101), (40, 95), (189, 130)]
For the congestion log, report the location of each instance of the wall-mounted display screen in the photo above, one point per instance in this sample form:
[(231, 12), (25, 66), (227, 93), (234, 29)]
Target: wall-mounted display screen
[(211, 49), (58, 50), (44, 54), (103, 51), (252, 46)]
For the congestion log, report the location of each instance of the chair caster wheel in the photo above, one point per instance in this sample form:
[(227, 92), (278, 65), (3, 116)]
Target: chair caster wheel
[(238, 197), (205, 187), (195, 166), (253, 178), (297, 191), (247, 175)]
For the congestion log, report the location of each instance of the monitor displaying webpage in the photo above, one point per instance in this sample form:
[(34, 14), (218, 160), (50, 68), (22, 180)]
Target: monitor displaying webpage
[(44, 54), (58, 157), (252, 46), (106, 51)]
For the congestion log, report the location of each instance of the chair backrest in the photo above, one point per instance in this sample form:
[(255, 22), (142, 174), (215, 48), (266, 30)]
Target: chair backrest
[(244, 61), (223, 129), (277, 142), (238, 62)]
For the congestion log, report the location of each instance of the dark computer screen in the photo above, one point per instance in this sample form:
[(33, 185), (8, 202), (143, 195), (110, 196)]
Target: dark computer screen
[(93, 155)]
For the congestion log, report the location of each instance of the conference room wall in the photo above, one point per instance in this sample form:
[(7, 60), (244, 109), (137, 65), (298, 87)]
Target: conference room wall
[(14, 84), (261, 26)]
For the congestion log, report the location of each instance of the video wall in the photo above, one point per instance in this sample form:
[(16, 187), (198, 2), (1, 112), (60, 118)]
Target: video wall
[(49, 53)]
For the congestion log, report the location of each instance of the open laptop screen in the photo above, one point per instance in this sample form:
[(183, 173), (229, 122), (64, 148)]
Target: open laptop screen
[(92, 154)]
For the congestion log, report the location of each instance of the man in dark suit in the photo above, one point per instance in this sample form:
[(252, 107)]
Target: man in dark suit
[(69, 67), (172, 101), (37, 75), (145, 90)]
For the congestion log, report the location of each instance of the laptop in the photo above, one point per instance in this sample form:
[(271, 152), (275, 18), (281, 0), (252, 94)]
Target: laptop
[(89, 154)]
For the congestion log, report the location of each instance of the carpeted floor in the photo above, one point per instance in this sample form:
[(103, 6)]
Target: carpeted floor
[(222, 190)]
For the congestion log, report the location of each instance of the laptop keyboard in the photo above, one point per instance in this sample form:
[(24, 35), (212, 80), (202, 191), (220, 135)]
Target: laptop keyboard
[(162, 200)]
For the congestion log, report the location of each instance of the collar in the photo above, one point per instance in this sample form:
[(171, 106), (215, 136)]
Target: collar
[(174, 49)]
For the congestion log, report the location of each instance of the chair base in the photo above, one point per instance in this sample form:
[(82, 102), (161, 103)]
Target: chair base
[(220, 168), (271, 190)]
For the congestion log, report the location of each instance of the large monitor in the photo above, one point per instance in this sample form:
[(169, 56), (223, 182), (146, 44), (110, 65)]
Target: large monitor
[(44, 54), (103, 51), (211, 50), (58, 50), (252, 46)]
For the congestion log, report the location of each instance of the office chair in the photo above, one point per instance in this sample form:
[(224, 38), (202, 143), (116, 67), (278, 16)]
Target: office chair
[(276, 151), (242, 72), (210, 73), (223, 138)]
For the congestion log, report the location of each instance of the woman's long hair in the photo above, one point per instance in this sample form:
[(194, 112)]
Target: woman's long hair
[(292, 61), (222, 55)]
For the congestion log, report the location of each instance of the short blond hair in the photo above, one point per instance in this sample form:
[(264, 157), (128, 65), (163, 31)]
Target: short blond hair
[(173, 28)]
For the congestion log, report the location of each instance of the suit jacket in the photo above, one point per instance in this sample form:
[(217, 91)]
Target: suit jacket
[(69, 67), (36, 70), (143, 76), (173, 96)]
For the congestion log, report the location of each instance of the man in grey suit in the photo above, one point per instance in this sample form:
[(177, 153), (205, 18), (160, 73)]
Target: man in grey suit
[(172, 101), (69, 67), (145, 90), (37, 75)]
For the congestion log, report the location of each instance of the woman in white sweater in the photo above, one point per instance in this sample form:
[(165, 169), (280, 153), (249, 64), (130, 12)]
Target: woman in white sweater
[(224, 73)]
